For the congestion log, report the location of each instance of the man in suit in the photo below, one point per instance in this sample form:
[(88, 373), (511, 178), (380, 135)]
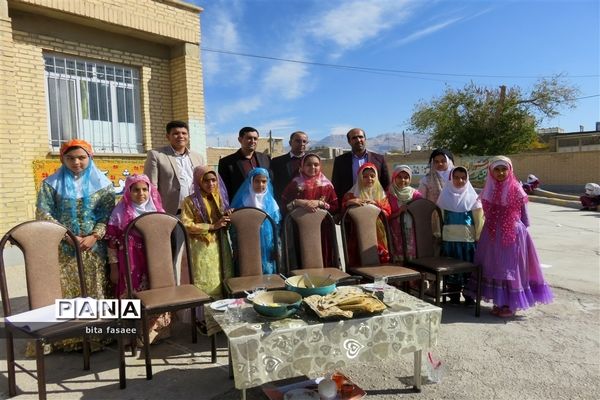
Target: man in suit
[(286, 167), (171, 168), (345, 166), (234, 167)]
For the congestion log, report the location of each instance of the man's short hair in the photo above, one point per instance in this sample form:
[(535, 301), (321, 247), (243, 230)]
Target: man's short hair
[(177, 124), (355, 129), (297, 133), (247, 129)]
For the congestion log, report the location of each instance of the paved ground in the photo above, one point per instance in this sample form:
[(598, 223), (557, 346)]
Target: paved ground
[(549, 352)]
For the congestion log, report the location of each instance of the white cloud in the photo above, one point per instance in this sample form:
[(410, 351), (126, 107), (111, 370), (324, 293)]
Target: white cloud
[(278, 127), (354, 22), (242, 106), (286, 80), (223, 35), (426, 31)]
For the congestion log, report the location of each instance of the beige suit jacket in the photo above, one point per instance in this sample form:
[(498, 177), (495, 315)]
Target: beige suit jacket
[(162, 169)]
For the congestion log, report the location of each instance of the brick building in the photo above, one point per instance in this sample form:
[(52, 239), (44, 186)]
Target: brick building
[(111, 72)]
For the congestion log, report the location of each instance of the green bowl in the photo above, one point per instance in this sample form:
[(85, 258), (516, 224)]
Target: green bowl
[(323, 285), (277, 303)]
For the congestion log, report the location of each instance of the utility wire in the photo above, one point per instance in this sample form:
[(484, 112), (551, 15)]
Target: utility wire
[(384, 70)]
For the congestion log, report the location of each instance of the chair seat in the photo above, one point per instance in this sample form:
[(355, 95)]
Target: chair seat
[(239, 284), (335, 273), (444, 265), (395, 272), (172, 296)]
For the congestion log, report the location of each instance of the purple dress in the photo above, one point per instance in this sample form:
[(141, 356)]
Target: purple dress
[(511, 271)]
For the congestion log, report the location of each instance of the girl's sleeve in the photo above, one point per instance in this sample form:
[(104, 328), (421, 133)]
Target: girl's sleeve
[(45, 204), (384, 204), (417, 195), (524, 215), (423, 186), (332, 200), (478, 220), (188, 218), (103, 209), (393, 201), (347, 197)]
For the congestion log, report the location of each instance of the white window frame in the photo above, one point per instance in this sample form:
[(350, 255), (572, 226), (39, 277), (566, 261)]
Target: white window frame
[(71, 112)]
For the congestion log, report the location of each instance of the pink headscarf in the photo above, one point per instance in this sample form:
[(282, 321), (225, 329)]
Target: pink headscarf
[(127, 210), (502, 201), (310, 184)]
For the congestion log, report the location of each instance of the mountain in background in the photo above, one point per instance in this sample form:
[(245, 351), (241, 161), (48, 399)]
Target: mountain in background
[(384, 143)]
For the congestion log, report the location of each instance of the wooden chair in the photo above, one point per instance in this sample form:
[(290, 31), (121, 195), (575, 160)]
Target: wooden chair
[(163, 294), (364, 219), (247, 222), (39, 241), (425, 215), (305, 229)]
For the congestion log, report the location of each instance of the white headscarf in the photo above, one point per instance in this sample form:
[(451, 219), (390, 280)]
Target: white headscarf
[(592, 189), (458, 199)]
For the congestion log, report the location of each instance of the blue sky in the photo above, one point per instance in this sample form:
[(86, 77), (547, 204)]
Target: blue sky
[(487, 42)]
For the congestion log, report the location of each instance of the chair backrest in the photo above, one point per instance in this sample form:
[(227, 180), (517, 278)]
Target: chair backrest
[(40, 242), (309, 235), (156, 228), (426, 222), (247, 222), (364, 219)]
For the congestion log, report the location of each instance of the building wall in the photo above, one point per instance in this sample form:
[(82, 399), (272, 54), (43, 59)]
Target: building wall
[(160, 38)]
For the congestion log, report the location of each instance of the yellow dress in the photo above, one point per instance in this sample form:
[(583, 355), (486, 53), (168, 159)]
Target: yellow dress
[(210, 250)]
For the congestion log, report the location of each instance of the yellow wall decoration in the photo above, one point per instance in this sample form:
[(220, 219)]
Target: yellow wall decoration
[(116, 170)]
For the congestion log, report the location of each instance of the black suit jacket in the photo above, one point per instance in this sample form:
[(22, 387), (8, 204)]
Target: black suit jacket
[(232, 171), (283, 172), (342, 172)]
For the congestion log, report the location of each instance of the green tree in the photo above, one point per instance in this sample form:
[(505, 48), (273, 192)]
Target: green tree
[(488, 121)]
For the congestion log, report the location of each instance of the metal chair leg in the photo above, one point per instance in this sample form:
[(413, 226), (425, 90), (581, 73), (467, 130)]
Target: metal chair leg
[(122, 378), (193, 322), (213, 348), (10, 361), (41, 370), (86, 353), (146, 346)]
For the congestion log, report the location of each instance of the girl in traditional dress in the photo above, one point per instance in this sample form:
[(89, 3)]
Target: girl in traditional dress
[(312, 190), (399, 194), (441, 162), (367, 190), (79, 196), (512, 275), (139, 196), (204, 213), (257, 191), (463, 219)]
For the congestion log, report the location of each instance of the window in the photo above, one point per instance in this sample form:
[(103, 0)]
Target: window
[(99, 103)]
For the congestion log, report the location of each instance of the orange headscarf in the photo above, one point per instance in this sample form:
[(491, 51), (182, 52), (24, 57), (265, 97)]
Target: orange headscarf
[(76, 143)]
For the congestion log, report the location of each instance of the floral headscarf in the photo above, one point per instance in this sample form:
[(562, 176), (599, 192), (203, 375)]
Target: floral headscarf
[(458, 199), (220, 194), (502, 201), (127, 210), (404, 194), (310, 184), (360, 191)]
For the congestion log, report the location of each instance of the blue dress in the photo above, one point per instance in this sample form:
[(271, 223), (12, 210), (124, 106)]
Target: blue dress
[(458, 241)]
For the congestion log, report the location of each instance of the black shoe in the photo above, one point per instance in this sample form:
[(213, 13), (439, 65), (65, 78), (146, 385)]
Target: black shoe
[(469, 301), (454, 299)]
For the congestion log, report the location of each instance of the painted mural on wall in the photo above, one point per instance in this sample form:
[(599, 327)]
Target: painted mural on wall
[(477, 167), (116, 170)]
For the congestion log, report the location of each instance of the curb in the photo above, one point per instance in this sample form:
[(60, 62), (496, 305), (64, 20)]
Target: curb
[(556, 202)]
